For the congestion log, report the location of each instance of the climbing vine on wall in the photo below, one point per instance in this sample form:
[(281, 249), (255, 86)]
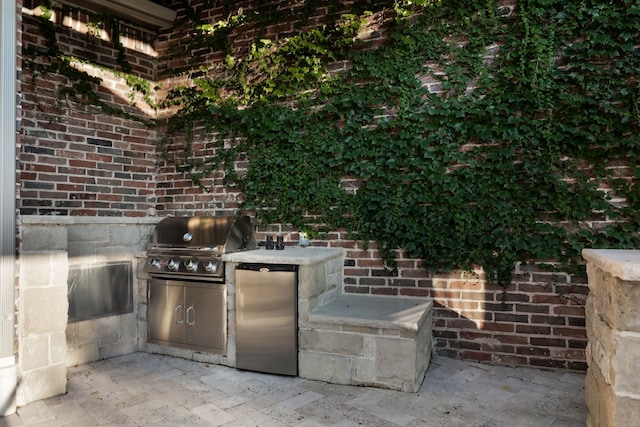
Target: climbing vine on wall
[(82, 86), (477, 135), (529, 151)]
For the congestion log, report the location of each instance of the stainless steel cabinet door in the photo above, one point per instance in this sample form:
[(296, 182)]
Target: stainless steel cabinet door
[(205, 317), (266, 323), (166, 314)]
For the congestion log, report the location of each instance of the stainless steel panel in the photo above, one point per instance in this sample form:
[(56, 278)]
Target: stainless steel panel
[(166, 312), (266, 321), (98, 290), (221, 234), (205, 319), (187, 314), (210, 269)]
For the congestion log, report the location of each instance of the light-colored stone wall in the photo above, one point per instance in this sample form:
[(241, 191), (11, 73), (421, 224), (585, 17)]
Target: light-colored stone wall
[(388, 348), (369, 341), (97, 241), (319, 281), (47, 343), (613, 330), (42, 312)]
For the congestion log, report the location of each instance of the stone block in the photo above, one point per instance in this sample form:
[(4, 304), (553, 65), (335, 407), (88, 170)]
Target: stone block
[(38, 269), (366, 330), (331, 342), (600, 350), (125, 235), (139, 274), (303, 313), (626, 411), (331, 368), (142, 333), (43, 238), (606, 408), (626, 364), (364, 372), (128, 327), (369, 347), (395, 361), (216, 359), (114, 253), (623, 313), (333, 270), (59, 269), (41, 383), (108, 330), (95, 233), (81, 354), (57, 348), (329, 295), (231, 325), (615, 300), (44, 310), (82, 252), (598, 398), (81, 332), (119, 348), (34, 352), (612, 387), (312, 281), (35, 270)]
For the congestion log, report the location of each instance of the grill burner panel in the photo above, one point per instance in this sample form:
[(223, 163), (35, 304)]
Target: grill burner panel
[(192, 247), (190, 265)]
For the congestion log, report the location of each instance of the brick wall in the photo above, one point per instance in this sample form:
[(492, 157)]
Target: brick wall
[(87, 163), (75, 159), (539, 323)]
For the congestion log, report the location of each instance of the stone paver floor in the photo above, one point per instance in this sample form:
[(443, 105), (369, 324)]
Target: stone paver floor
[(152, 390)]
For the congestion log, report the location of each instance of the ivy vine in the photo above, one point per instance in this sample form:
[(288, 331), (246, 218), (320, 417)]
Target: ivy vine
[(476, 135), (528, 153), (82, 86)]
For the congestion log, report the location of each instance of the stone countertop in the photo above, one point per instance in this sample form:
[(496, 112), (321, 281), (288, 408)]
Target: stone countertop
[(373, 311), (621, 263), (290, 255), (84, 220)]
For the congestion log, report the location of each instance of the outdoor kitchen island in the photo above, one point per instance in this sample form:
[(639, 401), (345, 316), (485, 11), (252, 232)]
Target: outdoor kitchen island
[(342, 338)]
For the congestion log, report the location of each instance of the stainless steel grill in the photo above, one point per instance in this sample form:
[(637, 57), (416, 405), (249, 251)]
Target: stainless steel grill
[(192, 247)]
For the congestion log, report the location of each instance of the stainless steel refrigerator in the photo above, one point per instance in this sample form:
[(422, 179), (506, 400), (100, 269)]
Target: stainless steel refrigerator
[(266, 318)]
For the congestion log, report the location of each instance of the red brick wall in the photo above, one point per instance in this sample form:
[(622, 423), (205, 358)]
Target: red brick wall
[(539, 323), (75, 159), (87, 163)]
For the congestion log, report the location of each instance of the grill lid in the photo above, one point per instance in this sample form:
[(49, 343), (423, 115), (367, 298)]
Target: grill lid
[(207, 233)]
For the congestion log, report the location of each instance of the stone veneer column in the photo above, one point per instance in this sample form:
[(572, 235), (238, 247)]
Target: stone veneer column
[(613, 330), (42, 311)]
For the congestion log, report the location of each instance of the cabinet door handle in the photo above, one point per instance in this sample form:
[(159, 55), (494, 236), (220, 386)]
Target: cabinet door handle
[(175, 314), (192, 310)]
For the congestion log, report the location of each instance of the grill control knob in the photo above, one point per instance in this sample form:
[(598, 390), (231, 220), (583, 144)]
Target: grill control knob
[(173, 265), (209, 266), (191, 265), (155, 263)]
